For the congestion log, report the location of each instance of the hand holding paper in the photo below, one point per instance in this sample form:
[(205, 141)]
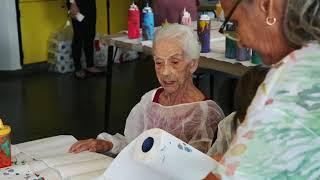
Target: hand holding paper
[(158, 155)]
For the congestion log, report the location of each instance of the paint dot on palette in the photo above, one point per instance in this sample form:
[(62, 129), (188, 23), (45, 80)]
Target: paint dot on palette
[(268, 102), (180, 146), (147, 144), (163, 159), (11, 170), (187, 149)]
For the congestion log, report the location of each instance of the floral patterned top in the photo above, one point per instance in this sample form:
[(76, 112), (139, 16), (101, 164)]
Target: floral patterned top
[(280, 137)]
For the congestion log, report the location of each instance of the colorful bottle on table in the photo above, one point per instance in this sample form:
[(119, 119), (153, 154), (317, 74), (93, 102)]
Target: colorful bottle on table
[(256, 58), (5, 145), (204, 25), (147, 23), (243, 54), (133, 22), (219, 12), (186, 18), (231, 45)]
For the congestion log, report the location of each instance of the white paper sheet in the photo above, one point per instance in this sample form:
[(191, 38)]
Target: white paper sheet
[(87, 176), (47, 147), (71, 170), (70, 158), (169, 158), (37, 165), (16, 173), (49, 158), (50, 174)]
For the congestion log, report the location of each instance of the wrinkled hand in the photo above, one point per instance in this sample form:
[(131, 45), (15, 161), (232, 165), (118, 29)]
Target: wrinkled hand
[(74, 10), (92, 145)]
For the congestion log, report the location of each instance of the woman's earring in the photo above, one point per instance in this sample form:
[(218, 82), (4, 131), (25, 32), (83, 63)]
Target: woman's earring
[(271, 21)]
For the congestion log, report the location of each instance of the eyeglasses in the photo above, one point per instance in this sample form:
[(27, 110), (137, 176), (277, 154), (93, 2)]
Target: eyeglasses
[(230, 34)]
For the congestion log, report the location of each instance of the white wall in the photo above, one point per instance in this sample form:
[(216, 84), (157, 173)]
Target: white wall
[(9, 42)]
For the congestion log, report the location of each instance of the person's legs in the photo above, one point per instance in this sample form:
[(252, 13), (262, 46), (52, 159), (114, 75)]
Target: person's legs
[(89, 39), (88, 48), (77, 43)]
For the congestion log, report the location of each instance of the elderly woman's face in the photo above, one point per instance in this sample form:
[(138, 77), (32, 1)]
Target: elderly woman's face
[(247, 33), (173, 70)]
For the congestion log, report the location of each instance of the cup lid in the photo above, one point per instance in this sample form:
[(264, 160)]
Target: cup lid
[(147, 9), (4, 129), (133, 6), (204, 17), (186, 14)]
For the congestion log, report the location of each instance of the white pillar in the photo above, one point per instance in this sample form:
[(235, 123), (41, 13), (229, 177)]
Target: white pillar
[(9, 41)]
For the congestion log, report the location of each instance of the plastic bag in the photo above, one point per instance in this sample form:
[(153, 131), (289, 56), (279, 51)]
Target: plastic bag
[(100, 51), (59, 50)]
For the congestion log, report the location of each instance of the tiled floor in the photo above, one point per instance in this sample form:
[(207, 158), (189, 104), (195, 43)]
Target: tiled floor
[(46, 104)]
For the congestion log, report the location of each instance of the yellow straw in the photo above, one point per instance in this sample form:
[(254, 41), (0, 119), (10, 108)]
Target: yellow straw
[(1, 124)]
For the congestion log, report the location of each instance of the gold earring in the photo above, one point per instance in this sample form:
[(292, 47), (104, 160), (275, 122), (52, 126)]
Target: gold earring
[(271, 21)]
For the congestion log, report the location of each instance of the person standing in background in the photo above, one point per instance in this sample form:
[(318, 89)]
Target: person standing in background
[(172, 10), (84, 29)]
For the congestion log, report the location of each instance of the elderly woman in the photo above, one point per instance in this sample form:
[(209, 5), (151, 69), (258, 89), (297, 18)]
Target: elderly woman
[(280, 136), (177, 107)]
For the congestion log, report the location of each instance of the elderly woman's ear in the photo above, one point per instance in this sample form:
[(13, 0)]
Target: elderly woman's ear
[(266, 6), (271, 10), (194, 65)]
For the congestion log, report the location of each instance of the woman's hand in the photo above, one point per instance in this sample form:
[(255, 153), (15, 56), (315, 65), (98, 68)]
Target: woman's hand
[(74, 10), (92, 145)]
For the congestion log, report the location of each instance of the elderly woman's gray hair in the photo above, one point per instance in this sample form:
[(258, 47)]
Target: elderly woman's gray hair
[(302, 21), (185, 36)]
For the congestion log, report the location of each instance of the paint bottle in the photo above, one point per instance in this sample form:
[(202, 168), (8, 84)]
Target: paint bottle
[(186, 18), (256, 58), (204, 24), (231, 45), (133, 22), (147, 23), (5, 145), (243, 54), (219, 12)]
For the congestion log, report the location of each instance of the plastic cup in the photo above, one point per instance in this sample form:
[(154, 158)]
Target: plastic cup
[(5, 145)]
